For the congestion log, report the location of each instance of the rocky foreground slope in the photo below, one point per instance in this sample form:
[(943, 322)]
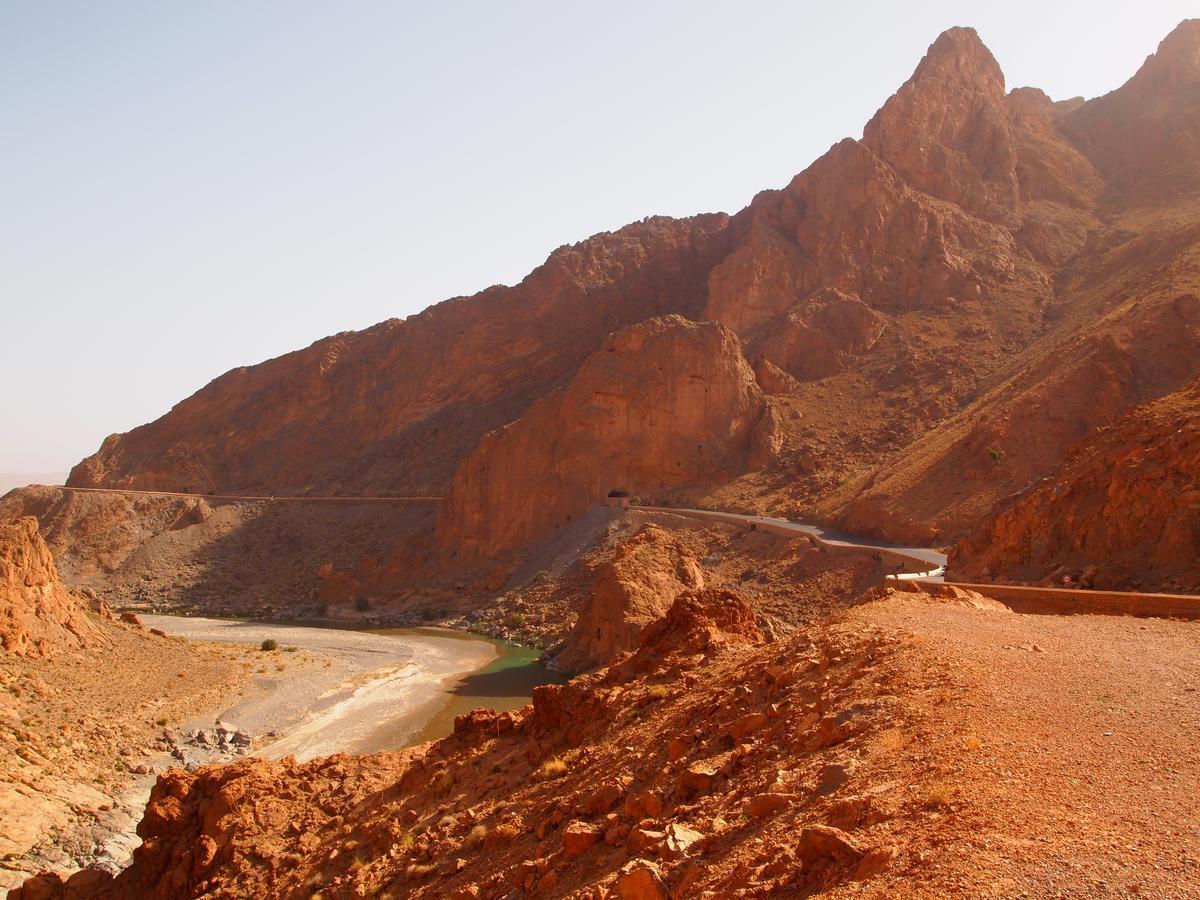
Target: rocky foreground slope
[(934, 313), (874, 755)]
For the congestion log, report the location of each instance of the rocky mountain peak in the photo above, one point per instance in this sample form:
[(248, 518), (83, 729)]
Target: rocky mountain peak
[(959, 55), (947, 129), (1176, 63)]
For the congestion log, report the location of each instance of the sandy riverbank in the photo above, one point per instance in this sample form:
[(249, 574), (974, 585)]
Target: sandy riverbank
[(375, 691)]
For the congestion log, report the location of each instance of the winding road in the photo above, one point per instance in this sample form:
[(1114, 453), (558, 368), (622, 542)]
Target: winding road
[(931, 563), (243, 498)]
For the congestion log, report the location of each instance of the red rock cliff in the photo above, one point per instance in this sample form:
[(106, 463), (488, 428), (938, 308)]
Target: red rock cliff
[(662, 404)]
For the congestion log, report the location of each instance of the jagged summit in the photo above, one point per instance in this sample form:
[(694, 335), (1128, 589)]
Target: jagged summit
[(1177, 61), (1144, 137), (947, 128), (960, 54)]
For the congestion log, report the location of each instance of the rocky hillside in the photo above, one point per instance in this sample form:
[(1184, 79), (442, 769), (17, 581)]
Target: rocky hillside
[(37, 615), (158, 552), (873, 755), (1123, 511), (936, 311)]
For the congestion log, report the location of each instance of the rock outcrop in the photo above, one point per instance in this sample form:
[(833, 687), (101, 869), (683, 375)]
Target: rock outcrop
[(37, 615), (636, 588), (662, 404), (1122, 512)]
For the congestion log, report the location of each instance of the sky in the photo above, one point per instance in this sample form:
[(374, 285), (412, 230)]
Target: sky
[(190, 187)]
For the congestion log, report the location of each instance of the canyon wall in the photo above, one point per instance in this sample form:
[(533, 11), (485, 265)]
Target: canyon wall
[(938, 310), (665, 403)]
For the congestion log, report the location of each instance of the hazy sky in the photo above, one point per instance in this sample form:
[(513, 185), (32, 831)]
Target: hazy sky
[(189, 187)]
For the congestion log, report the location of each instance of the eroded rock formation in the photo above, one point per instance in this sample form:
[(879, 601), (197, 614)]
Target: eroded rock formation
[(37, 615), (938, 310), (633, 590)]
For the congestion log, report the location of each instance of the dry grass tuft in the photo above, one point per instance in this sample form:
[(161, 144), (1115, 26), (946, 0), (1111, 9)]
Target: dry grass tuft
[(658, 692), (939, 794), (555, 767), (418, 871), (891, 740), (973, 743)]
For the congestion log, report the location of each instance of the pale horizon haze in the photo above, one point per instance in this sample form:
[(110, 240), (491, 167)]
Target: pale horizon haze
[(187, 188)]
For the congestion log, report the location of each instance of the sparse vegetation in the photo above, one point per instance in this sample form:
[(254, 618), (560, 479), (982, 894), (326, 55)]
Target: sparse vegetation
[(555, 767), (996, 454), (270, 645), (938, 795), (658, 692), (362, 604), (516, 620)]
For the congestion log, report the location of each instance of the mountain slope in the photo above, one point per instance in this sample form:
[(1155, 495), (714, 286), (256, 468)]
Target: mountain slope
[(938, 311)]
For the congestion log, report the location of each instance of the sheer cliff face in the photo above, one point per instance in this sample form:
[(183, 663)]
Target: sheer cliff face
[(662, 404), (979, 261)]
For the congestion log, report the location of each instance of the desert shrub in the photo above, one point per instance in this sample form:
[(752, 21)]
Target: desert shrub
[(516, 620), (269, 645), (362, 604), (658, 691)]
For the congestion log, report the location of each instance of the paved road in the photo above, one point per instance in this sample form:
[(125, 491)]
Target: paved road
[(934, 560), (241, 498)]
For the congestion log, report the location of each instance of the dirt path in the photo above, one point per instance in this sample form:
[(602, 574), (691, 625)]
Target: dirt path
[(1069, 752)]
